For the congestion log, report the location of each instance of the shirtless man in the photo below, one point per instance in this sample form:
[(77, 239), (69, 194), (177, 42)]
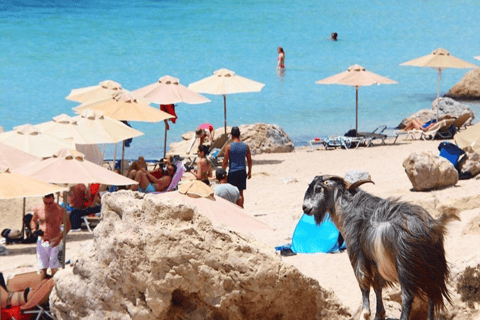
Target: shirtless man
[(49, 246), (149, 183)]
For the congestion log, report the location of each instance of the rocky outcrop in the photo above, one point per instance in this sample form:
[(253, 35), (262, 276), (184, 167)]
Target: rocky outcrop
[(446, 107), (468, 88), (427, 171), (260, 137), (154, 257)]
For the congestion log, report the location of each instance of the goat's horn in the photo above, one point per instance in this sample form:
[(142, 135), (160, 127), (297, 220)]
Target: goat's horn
[(356, 184)]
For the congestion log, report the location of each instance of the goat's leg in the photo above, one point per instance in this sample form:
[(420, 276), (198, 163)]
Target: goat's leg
[(377, 287), (431, 309), (407, 299), (365, 315)]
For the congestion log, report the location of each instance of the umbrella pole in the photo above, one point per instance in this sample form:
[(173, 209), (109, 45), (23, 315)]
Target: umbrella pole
[(356, 108), (225, 112), (123, 156), (438, 88), (165, 143), (114, 156), (23, 219), (64, 239)]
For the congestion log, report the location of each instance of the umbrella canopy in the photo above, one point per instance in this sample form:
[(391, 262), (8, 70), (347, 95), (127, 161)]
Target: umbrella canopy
[(14, 185), (111, 130), (469, 137), (14, 158), (30, 139), (225, 82), (105, 89), (439, 59), (168, 90), (68, 167), (125, 106), (222, 211), (65, 127), (356, 76), (196, 188)]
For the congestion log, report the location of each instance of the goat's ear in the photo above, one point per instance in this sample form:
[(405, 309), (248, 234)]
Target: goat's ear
[(357, 184)]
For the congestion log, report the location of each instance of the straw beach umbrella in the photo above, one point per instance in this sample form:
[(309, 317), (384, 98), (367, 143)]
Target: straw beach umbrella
[(104, 89), (225, 82), (356, 76), (168, 90), (469, 138), (439, 59), (31, 140)]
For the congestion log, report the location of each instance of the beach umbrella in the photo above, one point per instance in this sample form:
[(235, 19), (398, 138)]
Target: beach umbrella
[(356, 76), (104, 89), (15, 158), (125, 106), (221, 211), (168, 90), (69, 167), (225, 82), (477, 57), (439, 59), (30, 139), (469, 137), (66, 127)]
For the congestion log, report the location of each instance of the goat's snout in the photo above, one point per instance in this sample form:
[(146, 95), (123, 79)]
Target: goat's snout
[(307, 209)]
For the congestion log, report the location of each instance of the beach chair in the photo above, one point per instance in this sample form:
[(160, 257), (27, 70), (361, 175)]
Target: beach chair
[(442, 129), (38, 293), (461, 121), (337, 142), (376, 134)]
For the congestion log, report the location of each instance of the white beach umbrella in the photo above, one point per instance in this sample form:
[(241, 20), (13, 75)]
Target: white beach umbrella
[(15, 158), (31, 140), (356, 76), (439, 59), (104, 89), (168, 90), (225, 82)]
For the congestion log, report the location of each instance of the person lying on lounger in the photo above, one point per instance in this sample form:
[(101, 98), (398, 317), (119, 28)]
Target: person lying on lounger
[(147, 182), (418, 125)]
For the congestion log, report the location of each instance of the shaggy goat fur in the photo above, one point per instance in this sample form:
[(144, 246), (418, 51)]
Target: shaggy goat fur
[(388, 242)]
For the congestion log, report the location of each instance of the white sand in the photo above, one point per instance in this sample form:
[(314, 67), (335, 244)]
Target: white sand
[(275, 194)]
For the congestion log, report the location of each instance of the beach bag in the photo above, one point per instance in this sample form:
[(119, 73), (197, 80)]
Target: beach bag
[(452, 153), (15, 236)]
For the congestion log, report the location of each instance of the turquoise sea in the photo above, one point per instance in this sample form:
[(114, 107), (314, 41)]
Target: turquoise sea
[(49, 47)]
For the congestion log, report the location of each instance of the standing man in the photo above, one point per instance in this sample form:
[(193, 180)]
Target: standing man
[(49, 245), (235, 154), (224, 189)]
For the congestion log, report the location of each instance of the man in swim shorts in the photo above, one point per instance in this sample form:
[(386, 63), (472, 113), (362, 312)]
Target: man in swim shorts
[(49, 245), (147, 182), (236, 152)]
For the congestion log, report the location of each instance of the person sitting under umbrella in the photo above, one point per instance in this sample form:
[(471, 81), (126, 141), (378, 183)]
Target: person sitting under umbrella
[(204, 169), (204, 131), (147, 182)]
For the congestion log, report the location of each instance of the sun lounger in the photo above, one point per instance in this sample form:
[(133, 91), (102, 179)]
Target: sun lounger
[(441, 128), (376, 134), (461, 121)]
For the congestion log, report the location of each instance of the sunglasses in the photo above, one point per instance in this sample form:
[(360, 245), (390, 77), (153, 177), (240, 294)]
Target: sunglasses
[(48, 202)]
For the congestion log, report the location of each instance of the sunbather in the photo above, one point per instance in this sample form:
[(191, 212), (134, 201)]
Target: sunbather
[(204, 133), (418, 125), (38, 294), (147, 182), (204, 169)]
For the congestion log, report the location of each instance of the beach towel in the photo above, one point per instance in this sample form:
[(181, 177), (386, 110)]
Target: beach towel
[(310, 238)]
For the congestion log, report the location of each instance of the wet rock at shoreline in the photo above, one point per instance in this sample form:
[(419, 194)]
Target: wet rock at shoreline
[(159, 258), (468, 88), (427, 171)]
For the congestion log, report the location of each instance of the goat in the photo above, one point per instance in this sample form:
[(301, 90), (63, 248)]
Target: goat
[(387, 241)]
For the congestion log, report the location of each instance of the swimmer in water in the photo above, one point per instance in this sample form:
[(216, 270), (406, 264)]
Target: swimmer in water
[(334, 36), (281, 58)]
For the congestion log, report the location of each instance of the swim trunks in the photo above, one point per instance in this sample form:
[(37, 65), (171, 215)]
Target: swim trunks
[(150, 188), (238, 179), (48, 256)]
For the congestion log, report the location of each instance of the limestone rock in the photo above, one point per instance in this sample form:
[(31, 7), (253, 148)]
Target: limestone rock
[(353, 176), (260, 137), (471, 163), (158, 258), (448, 106), (427, 171), (468, 88)]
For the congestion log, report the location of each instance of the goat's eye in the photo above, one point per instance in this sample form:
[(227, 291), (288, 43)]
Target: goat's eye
[(325, 183)]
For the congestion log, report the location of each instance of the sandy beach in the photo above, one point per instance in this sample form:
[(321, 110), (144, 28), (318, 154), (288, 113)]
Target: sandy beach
[(275, 194)]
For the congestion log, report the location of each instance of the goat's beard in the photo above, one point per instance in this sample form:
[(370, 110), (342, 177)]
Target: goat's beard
[(319, 212)]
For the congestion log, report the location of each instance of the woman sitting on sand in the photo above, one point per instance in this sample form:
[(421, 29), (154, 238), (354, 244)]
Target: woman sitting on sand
[(204, 169)]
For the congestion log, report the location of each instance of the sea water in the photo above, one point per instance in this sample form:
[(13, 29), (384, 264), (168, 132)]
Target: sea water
[(50, 47)]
